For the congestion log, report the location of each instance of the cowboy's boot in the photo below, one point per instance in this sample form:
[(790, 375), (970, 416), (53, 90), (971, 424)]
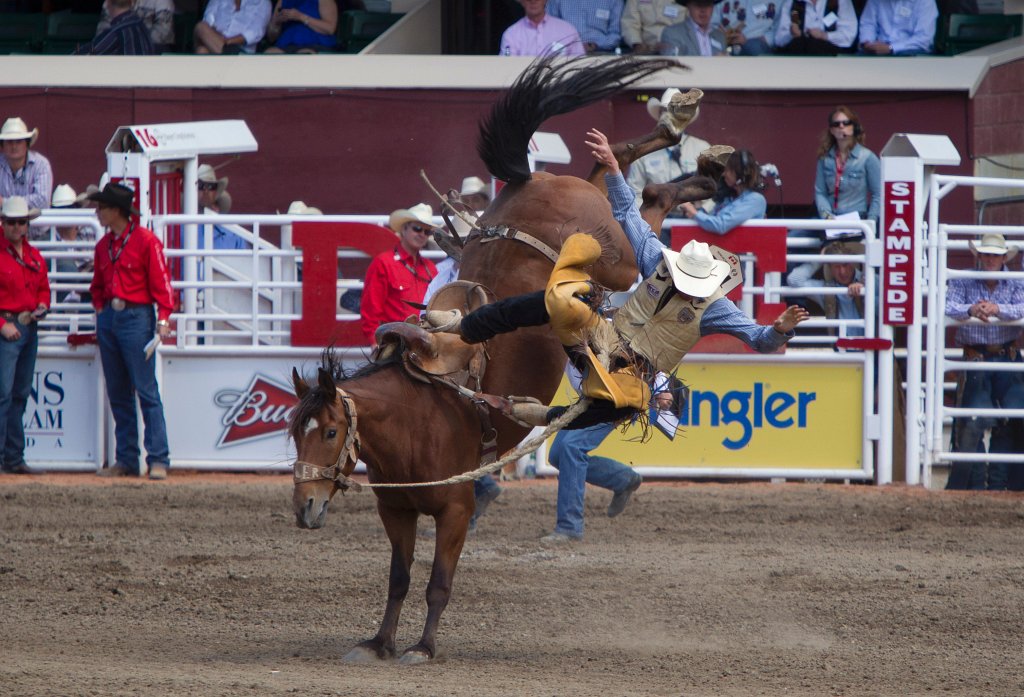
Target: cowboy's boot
[(445, 321), (530, 413)]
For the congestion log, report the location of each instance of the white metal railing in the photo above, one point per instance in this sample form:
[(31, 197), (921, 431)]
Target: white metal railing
[(940, 358)]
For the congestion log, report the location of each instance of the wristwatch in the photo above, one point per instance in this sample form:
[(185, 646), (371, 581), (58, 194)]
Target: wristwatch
[(163, 323)]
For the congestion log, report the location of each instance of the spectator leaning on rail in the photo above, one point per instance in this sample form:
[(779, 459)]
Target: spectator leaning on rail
[(130, 277), (643, 21), (738, 199), (23, 171), (749, 26), (695, 35), (303, 26), (816, 27), (976, 302), (232, 26), (678, 301), (836, 274), (24, 299), (214, 198), (126, 35), (849, 176), (403, 274), (157, 15), (898, 27), (598, 22), (540, 34)]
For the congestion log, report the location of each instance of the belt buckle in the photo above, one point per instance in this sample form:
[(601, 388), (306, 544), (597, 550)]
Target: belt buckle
[(24, 318), (118, 304)]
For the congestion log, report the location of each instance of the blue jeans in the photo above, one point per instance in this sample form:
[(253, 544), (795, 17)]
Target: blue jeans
[(122, 338), (570, 455), (483, 485), (986, 390), (17, 368)]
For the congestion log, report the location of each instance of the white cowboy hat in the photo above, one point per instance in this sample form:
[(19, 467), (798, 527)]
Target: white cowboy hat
[(208, 175), (992, 243), (421, 212), (473, 185), (15, 129), (64, 197), (300, 208), (694, 270), (16, 207)]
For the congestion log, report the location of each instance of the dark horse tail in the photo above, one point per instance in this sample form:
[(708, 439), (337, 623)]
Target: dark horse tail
[(549, 87)]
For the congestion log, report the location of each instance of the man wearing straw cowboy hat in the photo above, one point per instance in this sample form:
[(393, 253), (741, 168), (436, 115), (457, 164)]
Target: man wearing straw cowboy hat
[(214, 198), (24, 299), (679, 300), (23, 172), (400, 275), (131, 276), (981, 303)]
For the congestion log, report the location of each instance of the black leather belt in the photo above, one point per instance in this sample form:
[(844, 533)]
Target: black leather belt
[(126, 304), (976, 351)]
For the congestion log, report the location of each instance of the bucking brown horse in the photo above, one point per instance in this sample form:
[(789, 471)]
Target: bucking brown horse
[(408, 428)]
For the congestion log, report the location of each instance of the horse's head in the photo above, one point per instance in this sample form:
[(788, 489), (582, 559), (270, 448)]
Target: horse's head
[(323, 426)]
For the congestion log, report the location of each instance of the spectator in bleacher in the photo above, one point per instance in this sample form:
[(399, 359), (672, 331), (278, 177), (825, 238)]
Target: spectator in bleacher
[(232, 26), (157, 15), (849, 176), (400, 275), (984, 301), (739, 198), (24, 299), (126, 35), (23, 171), (668, 164), (898, 27), (540, 34), (303, 26), (474, 194), (644, 20), (214, 198), (836, 274), (695, 35), (749, 26), (598, 22), (816, 27)]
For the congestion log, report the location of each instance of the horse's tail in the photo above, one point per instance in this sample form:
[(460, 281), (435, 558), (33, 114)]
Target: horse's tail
[(549, 87)]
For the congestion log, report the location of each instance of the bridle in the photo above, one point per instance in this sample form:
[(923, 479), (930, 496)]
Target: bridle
[(347, 457)]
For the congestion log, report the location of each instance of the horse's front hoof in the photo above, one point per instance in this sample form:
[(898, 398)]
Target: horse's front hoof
[(415, 655), (365, 654)]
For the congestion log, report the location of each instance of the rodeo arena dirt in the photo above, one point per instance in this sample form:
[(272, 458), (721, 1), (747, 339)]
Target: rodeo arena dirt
[(791, 534)]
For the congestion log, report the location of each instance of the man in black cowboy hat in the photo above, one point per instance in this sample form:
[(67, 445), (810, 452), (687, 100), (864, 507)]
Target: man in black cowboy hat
[(695, 35), (130, 276)]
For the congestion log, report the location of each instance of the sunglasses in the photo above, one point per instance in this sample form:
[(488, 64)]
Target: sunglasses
[(207, 186), (839, 124), (418, 228), (16, 221)]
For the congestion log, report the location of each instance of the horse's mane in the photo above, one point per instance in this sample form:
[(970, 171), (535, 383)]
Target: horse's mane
[(317, 399), (549, 87)]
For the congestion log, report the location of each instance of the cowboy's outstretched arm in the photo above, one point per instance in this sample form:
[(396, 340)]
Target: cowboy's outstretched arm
[(602, 151), (790, 317)]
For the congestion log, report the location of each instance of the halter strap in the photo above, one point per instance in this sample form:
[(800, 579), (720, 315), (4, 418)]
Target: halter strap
[(492, 233), (347, 457)]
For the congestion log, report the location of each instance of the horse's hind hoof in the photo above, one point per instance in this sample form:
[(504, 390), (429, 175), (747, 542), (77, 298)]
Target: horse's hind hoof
[(415, 656), (363, 654)]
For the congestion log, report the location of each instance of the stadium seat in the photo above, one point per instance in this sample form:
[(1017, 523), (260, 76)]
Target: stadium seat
[(22, 32), (68, 30), (184, 25), (958, 33), (357, 29)]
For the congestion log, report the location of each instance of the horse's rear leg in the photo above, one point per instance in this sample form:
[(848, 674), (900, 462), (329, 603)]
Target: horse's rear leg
[(451, 534), (400, 526)]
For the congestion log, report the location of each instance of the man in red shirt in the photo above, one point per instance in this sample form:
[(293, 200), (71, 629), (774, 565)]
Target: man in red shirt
[(401, 275), (24, 299), (130, 276)]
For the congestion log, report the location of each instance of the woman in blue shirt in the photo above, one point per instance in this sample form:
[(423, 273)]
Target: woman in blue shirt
[(849, 176), (742, 201), (303, 26)]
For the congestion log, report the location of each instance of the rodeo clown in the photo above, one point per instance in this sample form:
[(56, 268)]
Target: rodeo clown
[(679, 300)]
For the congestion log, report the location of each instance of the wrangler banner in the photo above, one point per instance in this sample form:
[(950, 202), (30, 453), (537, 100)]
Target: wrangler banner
[(763, 416)]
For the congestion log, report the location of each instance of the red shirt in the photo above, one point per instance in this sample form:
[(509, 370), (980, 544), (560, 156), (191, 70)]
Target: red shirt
[(23, 286), (134, 270), (391, 279)]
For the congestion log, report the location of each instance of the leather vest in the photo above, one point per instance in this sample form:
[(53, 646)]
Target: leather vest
[(662, 331)]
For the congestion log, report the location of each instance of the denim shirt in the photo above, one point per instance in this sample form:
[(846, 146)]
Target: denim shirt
[(732, 212), (862, 176)]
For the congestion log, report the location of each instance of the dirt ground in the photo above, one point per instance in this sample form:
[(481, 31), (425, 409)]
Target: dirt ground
[(203, 585)]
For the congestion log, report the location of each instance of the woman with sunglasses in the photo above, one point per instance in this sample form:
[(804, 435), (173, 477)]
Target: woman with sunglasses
[(24, 299), (849, 176)]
